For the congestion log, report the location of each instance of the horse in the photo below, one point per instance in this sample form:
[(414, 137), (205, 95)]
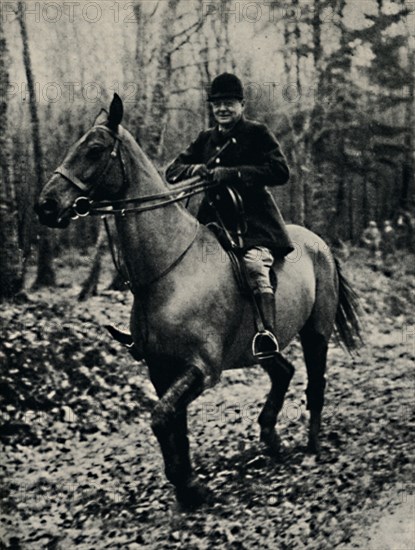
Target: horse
[(189, 319)]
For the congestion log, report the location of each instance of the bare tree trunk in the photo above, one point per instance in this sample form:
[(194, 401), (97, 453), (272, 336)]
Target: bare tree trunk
[(140, 73), (45, 273), (317, 112), (317, 49), (158, 113), (229, 57), (297, 35), (301, 190), (287, 55), (287, 51), (206, 78), (120, 277), (11, 273), (90, 285), (408, 187), (342, 205)]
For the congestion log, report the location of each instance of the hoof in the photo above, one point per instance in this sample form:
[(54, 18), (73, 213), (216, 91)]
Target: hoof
[(272, 442), (192, 496)]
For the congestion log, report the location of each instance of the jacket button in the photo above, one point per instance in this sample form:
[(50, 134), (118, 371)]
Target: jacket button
[(217, 160), (217, 148)]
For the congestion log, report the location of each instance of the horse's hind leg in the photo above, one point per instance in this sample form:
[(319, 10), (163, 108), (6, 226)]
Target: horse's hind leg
[(176, 389), (315, 336), (315, 347), (280, 372)]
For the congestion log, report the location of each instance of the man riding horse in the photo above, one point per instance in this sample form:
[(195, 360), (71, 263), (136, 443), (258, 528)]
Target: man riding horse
[(188, 334), (248, 158), (251, 162)]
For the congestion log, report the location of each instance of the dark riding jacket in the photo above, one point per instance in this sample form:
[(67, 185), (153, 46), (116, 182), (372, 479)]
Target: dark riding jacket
[(258, 162)]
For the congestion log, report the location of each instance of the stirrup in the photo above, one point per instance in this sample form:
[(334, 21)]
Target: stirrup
[(257, 340)]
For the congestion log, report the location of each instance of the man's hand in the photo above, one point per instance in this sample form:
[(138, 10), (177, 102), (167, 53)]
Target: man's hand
[(200, 170), (224, 175)]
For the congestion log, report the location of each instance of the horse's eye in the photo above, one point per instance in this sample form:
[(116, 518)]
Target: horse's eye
[(95, 152)]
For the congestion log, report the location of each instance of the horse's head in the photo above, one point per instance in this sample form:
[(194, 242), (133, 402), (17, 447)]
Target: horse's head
[(92, 169)]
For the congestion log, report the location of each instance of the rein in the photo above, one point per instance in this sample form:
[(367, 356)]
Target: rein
[(192, 187), (84, 206)]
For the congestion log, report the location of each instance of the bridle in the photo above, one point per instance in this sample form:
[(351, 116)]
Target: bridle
[(85, 206), (81, 205)]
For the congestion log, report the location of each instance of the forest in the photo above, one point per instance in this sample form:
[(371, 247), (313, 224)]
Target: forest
[(334, 80), (80, 466)]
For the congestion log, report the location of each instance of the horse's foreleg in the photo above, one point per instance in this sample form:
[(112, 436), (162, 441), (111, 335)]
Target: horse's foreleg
[(169, 424), (280, 372), (315, 348)]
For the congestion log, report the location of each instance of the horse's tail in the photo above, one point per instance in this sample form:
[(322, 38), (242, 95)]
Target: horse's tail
[(348, 313)]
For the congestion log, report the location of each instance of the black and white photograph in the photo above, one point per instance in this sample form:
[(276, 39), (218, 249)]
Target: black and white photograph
[(207, 278)]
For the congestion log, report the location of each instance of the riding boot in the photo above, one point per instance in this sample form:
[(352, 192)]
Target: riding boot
[(266, 304), (265, 344)]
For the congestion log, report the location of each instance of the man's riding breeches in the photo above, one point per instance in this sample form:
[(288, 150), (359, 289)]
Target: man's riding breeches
[(258, 261)]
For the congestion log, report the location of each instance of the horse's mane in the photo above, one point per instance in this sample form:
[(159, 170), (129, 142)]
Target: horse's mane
[(148, 172)]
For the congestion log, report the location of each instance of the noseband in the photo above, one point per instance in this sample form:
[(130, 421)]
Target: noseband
[(84, 206), (81, 206)]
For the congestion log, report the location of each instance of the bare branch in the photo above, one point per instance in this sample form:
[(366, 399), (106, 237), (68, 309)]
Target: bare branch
[(184, 90), (181, 109), (187, 38), (154, 11), (184, 31), (198, 63)]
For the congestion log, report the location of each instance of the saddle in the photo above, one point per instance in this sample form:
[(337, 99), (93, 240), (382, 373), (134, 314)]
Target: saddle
[(264, 343), (228, 208)]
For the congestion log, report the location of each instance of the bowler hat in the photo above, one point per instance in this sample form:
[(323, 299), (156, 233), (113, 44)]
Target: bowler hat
[(226, 86)]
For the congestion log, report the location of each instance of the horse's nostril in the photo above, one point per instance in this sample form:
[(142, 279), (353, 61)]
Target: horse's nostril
[(49, 206)]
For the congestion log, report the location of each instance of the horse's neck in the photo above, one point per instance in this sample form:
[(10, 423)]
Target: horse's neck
[(153, 240)]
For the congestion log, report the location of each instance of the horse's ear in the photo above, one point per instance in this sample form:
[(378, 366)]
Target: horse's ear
[(116, 113), (101, 118)]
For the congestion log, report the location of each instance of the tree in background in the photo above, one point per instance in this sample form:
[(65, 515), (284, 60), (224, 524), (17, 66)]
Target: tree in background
[(45, 273), (90, 285), (391, 74), (343, 106), (11, 273)]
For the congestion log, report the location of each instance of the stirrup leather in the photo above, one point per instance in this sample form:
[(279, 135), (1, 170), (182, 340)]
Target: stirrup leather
[(267, 337)]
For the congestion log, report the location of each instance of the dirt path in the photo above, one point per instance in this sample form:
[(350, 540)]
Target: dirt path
[(81, 468), (395, 530)]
